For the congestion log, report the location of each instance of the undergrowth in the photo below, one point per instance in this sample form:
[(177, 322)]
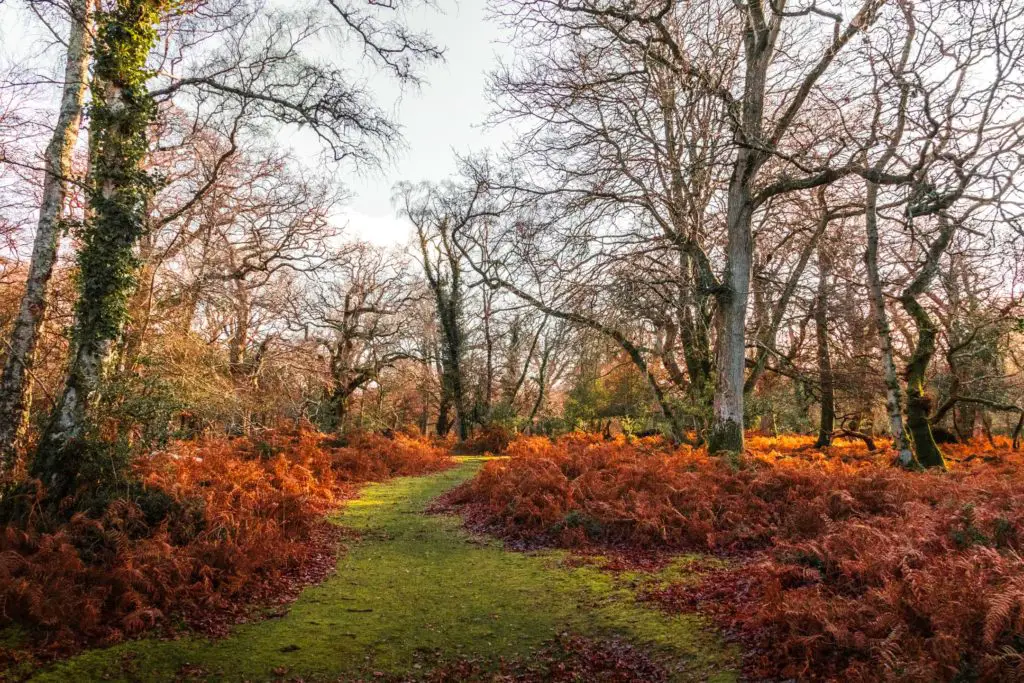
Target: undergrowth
[(493, 439), (841, 567), (414, 598), (217, 523)]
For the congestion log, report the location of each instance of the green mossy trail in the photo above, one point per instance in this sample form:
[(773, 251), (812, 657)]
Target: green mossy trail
[(414, 589)]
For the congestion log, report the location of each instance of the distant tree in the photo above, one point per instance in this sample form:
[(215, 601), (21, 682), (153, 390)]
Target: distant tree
[(438, 213), (361, 316)]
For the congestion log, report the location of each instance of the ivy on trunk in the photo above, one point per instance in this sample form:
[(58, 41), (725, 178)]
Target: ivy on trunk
[(119, 194)]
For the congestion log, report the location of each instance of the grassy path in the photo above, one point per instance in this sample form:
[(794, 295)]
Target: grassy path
[(413, 587)]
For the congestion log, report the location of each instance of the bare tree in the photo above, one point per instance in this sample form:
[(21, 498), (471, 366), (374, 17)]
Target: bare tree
[(363, 313), (750, 149), (438, 214)]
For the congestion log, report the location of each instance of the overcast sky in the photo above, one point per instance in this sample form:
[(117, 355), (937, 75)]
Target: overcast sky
[(442, 117)]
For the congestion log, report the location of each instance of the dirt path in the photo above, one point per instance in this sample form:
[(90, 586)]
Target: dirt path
[(413, 590)]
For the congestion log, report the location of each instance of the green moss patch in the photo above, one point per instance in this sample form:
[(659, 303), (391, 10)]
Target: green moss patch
[(415, 590)]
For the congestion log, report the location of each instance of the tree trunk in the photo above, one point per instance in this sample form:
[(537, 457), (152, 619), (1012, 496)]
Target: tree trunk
[(893, 400), (449, 307), (121, 113), (541, 384), (489, 351), (918, 404), (697, 354), (423, 414), (726, 434), (828, 398), (340, 400), (16, 380), (239, 343), (457, 393), (727, 429), (964, 417), (444, 423), (925, 449)]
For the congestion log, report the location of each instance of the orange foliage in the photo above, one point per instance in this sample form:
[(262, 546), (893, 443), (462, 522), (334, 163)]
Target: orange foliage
[(843, 567), (234, 518), (492, 439)]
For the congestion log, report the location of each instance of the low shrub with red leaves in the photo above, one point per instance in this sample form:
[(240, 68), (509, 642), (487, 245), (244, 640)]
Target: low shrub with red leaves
[(217, 522), (842, 566), (370, 457)]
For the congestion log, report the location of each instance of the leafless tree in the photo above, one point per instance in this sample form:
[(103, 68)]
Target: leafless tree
[(361, 316)]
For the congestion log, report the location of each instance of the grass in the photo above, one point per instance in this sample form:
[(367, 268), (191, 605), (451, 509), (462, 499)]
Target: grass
[(414, 590)]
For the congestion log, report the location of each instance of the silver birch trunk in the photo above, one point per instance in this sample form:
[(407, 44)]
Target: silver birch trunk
[(21, 347)]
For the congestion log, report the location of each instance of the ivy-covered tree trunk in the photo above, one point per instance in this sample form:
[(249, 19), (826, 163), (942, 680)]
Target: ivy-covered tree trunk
[(443, 423), (443, 270), (118, 196), (696, 342), (57, 167), (452, 355)]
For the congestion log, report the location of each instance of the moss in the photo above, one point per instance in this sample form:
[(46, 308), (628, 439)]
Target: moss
[(726, 438), (414, 589)]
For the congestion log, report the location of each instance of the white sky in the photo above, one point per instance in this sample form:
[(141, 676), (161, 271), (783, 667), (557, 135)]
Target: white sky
[(441, 118), (444, 117)]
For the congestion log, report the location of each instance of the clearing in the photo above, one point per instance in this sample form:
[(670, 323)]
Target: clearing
[(414, 591)]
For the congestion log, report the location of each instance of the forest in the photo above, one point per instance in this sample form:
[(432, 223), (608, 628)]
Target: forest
[(708, 366)]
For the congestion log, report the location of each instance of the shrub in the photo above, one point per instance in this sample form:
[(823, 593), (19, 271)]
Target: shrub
[(492, 439), (842, 566), (217, 522)]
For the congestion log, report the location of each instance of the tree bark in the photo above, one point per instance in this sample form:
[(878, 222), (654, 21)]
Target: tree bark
[(893, 396), (541, 384), (16, 380), (489, 356), (726, 434), (451, 378), (828, 398), (121, 189), (444, 423), (918, 404)]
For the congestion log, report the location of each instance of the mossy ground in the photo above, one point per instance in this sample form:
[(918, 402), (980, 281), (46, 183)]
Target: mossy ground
[(414, 590)]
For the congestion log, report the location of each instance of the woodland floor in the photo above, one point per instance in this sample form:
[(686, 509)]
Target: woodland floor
[(414, 592)]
